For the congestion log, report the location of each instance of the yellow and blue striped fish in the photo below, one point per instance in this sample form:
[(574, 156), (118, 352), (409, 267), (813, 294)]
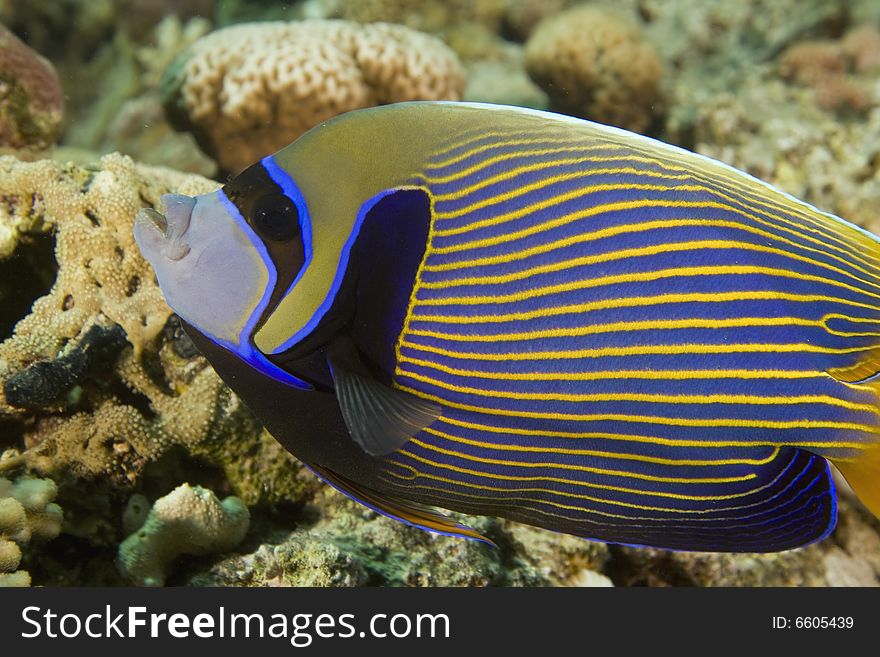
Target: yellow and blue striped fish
[(514, 313)]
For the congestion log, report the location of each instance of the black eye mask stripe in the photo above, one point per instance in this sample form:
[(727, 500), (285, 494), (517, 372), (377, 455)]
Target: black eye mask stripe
[(264, 205)]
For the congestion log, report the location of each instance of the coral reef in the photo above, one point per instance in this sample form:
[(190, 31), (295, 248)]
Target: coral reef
[(189, 520), (27, 515), (830, 68), (248, 90), (349, 545), (339, 543), (777, 132), (139, 18), (74, 30), (153, 398), (495, 68), (503, 83), (114, 102), (64, 28), (426, 15), (47, 382), (521, 17), (31, 100), (102, 391), (596, 63)]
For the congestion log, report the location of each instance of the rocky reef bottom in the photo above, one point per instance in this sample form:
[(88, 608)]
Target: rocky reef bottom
[(331, 541)]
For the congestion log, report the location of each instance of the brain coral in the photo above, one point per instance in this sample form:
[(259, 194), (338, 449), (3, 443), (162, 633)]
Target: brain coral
[(31, 101), (246, 91), (597, 64)]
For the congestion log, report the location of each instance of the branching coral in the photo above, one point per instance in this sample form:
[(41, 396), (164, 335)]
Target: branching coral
[(596, 63), (27, 514), (189, 520), (31, 101), (248, 90)]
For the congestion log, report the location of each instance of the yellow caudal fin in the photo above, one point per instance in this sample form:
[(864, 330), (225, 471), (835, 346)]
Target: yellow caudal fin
[(863, 474), (864, 369)]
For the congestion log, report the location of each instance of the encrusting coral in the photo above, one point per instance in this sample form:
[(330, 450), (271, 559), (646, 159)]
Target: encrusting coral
[(31, 100), (189, 520), (596, 63), (249, 90), (27, 515)]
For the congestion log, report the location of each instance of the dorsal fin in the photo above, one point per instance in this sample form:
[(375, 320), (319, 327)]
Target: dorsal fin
[(380, 419), (410, 513)]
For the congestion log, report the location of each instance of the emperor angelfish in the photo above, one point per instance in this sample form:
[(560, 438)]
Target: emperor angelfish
[(513, 313)]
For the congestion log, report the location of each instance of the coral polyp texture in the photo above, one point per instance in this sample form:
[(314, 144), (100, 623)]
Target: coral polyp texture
[(248, 90), (27, 515), (97, 386), (189, 520), (31, 100), (597, 63)]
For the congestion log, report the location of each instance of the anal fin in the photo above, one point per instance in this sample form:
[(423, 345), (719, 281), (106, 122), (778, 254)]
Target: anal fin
[(410, 513)]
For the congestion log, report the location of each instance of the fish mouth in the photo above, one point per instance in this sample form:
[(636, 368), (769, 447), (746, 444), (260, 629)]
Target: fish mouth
[(170, 228), (156, 218)]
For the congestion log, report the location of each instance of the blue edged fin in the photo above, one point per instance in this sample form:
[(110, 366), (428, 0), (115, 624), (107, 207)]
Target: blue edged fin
[(380, 419), (410, 513)]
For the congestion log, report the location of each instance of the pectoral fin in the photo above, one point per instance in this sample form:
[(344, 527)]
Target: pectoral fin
[(411, 513), (380, 419)]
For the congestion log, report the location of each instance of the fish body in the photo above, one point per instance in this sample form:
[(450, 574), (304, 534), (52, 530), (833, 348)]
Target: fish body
[(513, 313)]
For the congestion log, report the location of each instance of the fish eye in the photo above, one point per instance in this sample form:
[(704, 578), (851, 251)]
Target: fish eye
[(275, 217)]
